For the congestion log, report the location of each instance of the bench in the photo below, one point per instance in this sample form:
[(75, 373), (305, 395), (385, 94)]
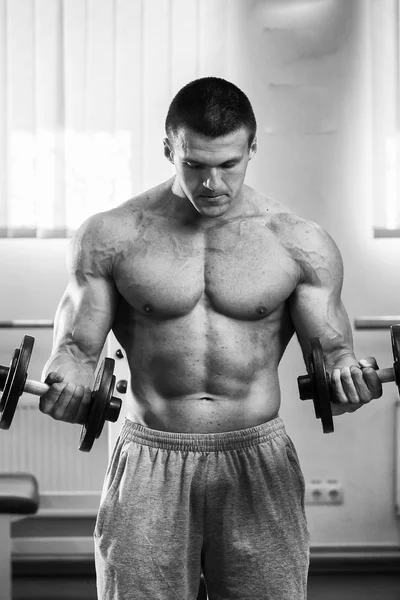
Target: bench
[(19, 497)]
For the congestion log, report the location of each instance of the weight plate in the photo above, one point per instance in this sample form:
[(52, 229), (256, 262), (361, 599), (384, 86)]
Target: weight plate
[(3, 377), (395, 337), (321, 396), (15, 382), (9, 378), (101, 398)]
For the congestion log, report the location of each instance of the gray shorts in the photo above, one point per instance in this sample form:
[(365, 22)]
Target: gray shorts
[(228, 504)]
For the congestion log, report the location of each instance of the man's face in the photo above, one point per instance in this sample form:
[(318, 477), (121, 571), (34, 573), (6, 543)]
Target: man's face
[(210, 172)]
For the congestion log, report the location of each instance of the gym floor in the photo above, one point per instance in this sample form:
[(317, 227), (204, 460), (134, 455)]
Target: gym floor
[(331, 586)]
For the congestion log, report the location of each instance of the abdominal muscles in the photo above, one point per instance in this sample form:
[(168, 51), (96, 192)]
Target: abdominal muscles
[(202, 372)]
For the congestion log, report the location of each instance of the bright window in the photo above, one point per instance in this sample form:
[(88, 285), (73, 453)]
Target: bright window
[(84, 90), (385, 86)]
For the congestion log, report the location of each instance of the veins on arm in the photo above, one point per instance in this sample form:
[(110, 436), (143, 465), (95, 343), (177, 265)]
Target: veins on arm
[(86, 312), (316, 306)]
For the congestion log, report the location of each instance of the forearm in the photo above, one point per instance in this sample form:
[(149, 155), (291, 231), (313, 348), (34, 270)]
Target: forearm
[(81, 327), (338, 358), (336, 339), (73, 364)]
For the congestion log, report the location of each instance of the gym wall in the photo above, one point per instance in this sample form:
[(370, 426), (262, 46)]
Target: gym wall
[(311, 90), (309, 77)]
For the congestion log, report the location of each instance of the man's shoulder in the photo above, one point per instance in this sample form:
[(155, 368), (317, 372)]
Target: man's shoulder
[(307, 242), (313, 249), (296, 230), (122, 219)]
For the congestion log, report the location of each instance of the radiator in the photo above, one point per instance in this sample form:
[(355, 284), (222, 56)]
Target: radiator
[(48, 449)]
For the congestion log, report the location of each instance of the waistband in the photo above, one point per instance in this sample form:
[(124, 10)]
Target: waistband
[(202, 442)]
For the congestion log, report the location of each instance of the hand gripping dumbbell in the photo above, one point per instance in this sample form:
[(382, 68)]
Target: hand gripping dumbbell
[(316, 385), (13, 383)]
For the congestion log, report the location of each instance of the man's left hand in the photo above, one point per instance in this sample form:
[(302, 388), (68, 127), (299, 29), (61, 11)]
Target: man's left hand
[(355, 386)]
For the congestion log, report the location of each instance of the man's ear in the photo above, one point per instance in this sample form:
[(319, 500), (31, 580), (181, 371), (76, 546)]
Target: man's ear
[(253, 148), (169, 155)]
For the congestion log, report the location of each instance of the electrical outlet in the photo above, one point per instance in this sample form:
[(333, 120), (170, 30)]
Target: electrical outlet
[(323, 491)]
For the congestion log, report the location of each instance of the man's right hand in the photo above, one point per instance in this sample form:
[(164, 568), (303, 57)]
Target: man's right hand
[(65, 401)]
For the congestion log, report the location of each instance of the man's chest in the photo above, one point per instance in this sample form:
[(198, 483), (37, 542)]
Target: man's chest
[(242, 272)]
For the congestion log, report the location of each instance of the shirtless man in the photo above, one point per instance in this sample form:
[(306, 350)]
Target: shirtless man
[(204, 281)]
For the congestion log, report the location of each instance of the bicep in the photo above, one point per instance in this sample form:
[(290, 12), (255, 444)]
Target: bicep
[(87, 309), (316, 306), (84, 317), (319, 312)]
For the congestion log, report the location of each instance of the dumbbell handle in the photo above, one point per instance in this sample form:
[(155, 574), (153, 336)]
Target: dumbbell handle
[(386, 375), (306, 391), (37, 388)]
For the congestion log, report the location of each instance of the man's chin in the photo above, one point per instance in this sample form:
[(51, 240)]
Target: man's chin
[(213, 212), (213, 208)]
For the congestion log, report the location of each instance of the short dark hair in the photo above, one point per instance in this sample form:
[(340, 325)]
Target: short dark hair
[(212, 107)]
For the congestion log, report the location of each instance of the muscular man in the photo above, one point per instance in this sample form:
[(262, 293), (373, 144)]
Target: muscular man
[(204, 281)]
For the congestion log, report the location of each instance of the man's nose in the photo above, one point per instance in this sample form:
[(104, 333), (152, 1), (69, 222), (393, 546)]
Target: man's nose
[(212, 179)]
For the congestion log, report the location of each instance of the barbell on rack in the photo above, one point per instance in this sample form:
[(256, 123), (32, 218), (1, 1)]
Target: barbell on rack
[(316, 385), (27, 324), (14, 382)]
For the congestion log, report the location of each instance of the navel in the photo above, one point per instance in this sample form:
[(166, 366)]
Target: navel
[(262, 311), (148, 308)]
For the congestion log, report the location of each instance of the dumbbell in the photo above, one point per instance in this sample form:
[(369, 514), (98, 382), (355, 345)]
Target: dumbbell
[(13, 383), (316, 385)]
